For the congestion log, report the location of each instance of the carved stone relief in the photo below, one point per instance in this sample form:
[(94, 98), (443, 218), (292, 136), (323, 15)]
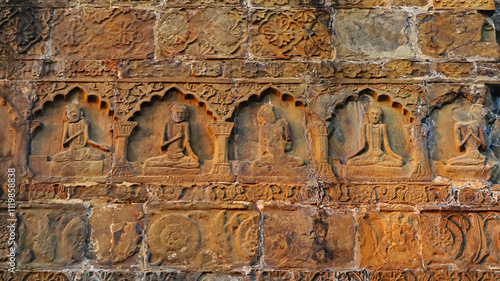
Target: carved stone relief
[(14, 130), (24, 32), (203, 238), (460, 239), (462, 123), (368, 137), (465, 36), (180, 145), (81, 128), (250, 140), (305, 238), (389, 239), (269, 133), (198, 32), (284, 34), (116, 233), (109, 34), (47, 236)]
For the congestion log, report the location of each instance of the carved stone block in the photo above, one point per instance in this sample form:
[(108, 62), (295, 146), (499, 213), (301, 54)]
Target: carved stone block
[(377, 3), (202, 276), (456, 36), (111, 276), (37, 276), (140, 3), (307, 237), (57, 236), (193, 236), (210, 33), (389, 240), (414, 194), (372, 34), (103, 34), (204, 3), (262, 192), (455, 69), (469, 5), (94, 3), (281, 3), (283, 34), (24, 32), (116, 233), (461, 239), (146, 69), (91, 69)]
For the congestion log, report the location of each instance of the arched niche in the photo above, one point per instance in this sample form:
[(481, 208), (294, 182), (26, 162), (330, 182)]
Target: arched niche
[(442, 136), (460, 141), (48, 127), (244, 142), (147, 137), (350, 117)]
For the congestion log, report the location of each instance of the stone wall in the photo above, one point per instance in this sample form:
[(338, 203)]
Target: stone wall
[(250, 140)]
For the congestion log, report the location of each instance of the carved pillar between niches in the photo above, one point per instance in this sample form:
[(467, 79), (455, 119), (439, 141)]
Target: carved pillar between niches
[(122, 130), (221, 131), (422, 168), (319, 133)]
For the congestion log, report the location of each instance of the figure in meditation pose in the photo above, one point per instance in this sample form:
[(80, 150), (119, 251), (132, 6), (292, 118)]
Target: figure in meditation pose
[(274, 139), (76, 137), (176, 142), (375, 149), (469, 136)]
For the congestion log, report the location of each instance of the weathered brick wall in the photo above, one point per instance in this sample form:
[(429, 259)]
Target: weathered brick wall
[(253, 140)]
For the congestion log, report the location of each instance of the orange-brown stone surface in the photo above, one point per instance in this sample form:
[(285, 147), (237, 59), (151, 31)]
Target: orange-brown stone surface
[(220, 140)]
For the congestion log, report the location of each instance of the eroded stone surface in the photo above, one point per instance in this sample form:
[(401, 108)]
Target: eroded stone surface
[(372, 34), (52, 236), (211, 32), (307, 238), (466, 37), (117, 231), (203, 237), (389, 240), (103, 34)]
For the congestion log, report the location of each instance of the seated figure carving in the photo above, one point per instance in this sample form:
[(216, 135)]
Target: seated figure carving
[(375, 149), (274, 139), (76, 137), (176, 142), (469, 137)]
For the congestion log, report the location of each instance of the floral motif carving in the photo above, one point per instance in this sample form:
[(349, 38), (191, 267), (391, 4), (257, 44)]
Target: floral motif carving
[(92, 69), (221, 97), (245, 91), (130, 95), (21, 29), (210, 32), (200, 238), (291, 33), (118, 33)]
